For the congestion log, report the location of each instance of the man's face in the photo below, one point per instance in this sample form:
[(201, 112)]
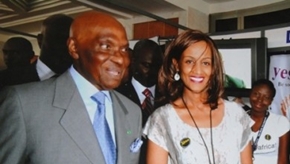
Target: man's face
[(146, 68), (13, 57), (104, 58)]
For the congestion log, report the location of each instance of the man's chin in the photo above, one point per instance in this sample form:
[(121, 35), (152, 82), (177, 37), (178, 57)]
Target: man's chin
[(112, 85)]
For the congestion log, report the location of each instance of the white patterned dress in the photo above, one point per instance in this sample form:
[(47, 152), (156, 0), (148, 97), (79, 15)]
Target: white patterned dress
[(166, 129)]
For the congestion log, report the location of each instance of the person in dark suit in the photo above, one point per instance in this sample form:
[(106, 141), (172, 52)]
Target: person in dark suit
[(147, 58), (18, 53), (58, 120), (54, 58), (146, 61)]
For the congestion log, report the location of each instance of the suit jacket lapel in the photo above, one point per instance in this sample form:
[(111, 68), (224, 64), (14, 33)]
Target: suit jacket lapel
[(75, 120), (129, 91), (122, 127)]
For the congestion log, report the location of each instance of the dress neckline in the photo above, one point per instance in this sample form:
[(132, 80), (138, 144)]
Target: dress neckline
[(172, 109)]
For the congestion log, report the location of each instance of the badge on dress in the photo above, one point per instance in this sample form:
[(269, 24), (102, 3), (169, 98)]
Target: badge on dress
[(185, 142), (267, 137)]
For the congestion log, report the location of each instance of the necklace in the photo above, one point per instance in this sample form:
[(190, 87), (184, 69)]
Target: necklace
[(255, 142), (211, 140)]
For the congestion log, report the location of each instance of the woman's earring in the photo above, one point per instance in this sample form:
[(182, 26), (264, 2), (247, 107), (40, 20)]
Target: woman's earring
[(176, 76)]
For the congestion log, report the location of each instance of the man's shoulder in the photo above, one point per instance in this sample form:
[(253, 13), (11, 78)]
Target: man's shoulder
[(45, 85), (33, 87)]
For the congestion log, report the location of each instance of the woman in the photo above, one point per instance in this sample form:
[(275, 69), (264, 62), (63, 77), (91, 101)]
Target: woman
[(197, 126), (271, 131)]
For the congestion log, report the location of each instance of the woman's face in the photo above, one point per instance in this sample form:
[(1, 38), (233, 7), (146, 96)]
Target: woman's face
[(195, 67), (260, 98)]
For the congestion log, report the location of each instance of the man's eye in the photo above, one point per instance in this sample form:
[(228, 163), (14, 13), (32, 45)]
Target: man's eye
[(105, 46), (125, 49), (146, 65)]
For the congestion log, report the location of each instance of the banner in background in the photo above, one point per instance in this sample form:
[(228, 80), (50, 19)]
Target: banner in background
[(279, 74)]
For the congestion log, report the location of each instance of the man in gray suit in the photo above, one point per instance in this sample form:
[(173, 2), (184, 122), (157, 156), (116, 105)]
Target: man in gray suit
[(53, 121)]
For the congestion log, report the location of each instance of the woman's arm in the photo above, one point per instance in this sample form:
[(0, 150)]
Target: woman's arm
[(283, 153), (246, 155), (156, 154)]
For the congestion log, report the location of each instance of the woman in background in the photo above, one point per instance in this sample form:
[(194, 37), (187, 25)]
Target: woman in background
[(197, 126), (271, 131)]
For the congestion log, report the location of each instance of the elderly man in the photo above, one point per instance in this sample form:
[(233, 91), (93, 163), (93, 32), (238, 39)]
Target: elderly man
[(76, 117)]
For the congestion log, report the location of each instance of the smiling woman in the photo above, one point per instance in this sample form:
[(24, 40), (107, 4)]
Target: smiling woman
[(270, 144), (197, 126)]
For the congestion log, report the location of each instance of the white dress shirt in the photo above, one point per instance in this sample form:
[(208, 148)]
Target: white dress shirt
[(43, 71), (139, 88)]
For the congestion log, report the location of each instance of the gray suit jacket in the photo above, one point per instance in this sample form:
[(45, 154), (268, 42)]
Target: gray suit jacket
[(47, 123)]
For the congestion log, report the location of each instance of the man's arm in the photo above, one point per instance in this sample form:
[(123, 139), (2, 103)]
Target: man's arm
[(12, 133)]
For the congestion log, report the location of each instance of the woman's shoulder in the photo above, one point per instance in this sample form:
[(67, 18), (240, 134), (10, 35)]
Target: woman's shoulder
[(165, 109), (230, 103), (236, 116), (234, 110), (233, 106), (278, 117), (279, 121)]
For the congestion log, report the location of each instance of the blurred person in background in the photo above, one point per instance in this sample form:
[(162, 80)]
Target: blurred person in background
[(271, 131), (54, 58), (19, 60)]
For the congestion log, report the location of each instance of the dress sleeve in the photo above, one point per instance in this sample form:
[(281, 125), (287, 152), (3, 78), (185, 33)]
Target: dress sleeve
[(247, 133), (155, 129)]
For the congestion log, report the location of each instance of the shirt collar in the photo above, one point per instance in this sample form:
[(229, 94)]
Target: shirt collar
[(43, 71), (140, 88), (86, 89)]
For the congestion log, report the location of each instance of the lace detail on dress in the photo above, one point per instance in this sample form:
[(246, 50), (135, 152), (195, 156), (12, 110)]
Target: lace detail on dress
[(166, 129)]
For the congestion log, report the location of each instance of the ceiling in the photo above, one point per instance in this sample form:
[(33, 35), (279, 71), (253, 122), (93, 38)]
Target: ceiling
[(15, 13), (27, 15)]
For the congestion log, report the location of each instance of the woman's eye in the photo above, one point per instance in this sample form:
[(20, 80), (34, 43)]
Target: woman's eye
[(267, 98), (256, 94), (206, 63), (188, 61)]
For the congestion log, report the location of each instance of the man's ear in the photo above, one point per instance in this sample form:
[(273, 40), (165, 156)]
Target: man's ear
[(72, 48), (175, 64)]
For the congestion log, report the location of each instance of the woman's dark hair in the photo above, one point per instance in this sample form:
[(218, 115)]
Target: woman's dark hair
[(267, 83), (172, 89)]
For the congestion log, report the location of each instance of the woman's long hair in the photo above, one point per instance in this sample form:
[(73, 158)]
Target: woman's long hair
[(172, 89)]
